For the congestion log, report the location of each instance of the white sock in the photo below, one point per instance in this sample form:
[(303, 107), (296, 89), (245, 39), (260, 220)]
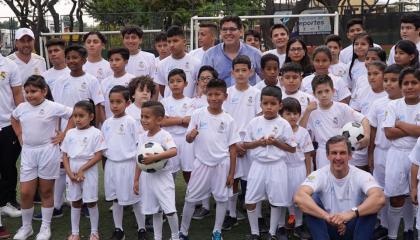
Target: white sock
[(140, 217), (117, 214), (75, 220), (187, 214), (408, 214), (259, 209), (173, 225), (27, 215), (94, 219), (47, 215), (383, 214), (232, 205), (253, 221), (298, 217), (206, 203), (157, 225), (394, 217), (276, 213), (59, 188), (282, 219), (220, 215)]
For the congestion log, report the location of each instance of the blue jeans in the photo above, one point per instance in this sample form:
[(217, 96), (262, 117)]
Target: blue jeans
[(361, 228)]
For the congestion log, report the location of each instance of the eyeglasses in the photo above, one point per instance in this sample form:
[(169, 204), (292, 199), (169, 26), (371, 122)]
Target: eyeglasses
[(296, 49), (231, 29), (205, 78)]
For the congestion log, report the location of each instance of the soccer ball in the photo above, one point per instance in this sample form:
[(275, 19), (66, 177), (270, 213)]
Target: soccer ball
[(354, 132), (152, 148)]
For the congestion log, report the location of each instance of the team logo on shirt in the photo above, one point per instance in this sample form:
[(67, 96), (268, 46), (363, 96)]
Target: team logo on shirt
[(310, 178), (41, 112), (36, 71), (85, 141), (121, 129), (202, 125), (83, 86), (221, 127), (141, 65), (250, 101), (417, 118), (275, 130), (100, 72), (3, 75), (318, 122), (187, 65), (335, 120)]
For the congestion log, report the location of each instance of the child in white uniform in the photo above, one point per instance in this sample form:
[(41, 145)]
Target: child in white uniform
[(333, 42), (36, 124), (82, 148), (95, 65), (157, 188), (415, 163), (270, 70), (356, 68), (120, 133)]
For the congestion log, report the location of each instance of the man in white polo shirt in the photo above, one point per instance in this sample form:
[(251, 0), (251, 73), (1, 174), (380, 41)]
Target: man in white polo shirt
[(28, 62), (340, 199)]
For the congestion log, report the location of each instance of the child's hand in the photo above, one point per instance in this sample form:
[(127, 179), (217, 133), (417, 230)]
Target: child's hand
[(241, 151), (136, 187), (364, 142), (194, 132), (148, 158), (229, 181), (80, 176), (270, 140), (261, 142), (413, 195), (311, 106), (73, 177), (57, 139), (185, 121)]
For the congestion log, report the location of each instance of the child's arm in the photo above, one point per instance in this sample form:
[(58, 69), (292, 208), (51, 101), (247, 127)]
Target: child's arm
[(280, 144), (257, 143), (100, 114), (305, 117), (136, 187), (17, 128), (410, 129), (371, 148), (364, 142), (151, 158), (232, 157), (66, 163), (394, 133), (81, 173), (414, 182), (172, 121), (308, 161), (191, 135), (60, 135)]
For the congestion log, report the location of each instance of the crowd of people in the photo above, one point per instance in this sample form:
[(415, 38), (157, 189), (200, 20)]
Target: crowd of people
[(241, 125)]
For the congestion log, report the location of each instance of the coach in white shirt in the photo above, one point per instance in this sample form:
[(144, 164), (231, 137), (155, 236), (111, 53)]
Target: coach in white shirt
[(340, 199)]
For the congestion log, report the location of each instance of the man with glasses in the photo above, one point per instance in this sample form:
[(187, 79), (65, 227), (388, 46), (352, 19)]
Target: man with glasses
[(220, 56)]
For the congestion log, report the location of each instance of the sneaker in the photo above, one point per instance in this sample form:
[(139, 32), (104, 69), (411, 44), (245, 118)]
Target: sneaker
[(73, 237), (11, 211), (85, 211), (240, 216), (281, 234), (272, 237), (4, 233), (44, 233), (182, 236), (200, 213), (57, 213), (301, 233), (409, 235), (216, 236), (262, 225), (380, 233), (141, 234), (254, 237), (23, 233), (118, 235), (15, 204), (94, 236), (228, 223)]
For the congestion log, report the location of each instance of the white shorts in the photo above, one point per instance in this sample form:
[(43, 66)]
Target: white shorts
[(157, 192), (397, 172), (268, 181), (206, 180), (296, 174), (119, 181), (379, 161), (184, 158), (242, 167), (86, 190), (321, 157), (418, 211), (42, 162)]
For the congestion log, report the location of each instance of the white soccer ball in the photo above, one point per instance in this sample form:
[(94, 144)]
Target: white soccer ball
[(354, 132), (150, 148)]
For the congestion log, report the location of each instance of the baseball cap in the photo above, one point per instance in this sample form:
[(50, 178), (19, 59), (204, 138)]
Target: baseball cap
[(24, 31)]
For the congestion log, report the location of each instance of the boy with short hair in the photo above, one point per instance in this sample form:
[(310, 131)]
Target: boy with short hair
[(161, 46), (55, 49), (118, 59), (326, 117), (207, 35), (279, 37), (270, 70), (178, 59), (157, 188), (268, 138), (215, 161), (253, 38), (243, 104), (333, 42), (96, 65)]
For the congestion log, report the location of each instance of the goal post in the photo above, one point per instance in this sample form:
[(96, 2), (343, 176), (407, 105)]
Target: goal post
[(194, 22)]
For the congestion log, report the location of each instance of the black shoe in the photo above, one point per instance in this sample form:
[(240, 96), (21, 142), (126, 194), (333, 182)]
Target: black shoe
[(15, 204), (301, 233), (380, 233), (409, 235), (262, 225), (254, 237), (281, 234), (228, 223), (272, 237), (182, 236), (118, 235), (141, 234)]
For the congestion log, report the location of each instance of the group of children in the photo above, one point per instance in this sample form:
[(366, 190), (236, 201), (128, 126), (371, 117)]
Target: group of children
[(265, 138)]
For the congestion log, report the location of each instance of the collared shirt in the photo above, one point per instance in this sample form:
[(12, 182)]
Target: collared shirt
[(217, 58)]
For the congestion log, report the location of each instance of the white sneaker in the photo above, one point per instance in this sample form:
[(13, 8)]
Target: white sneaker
[(11, 211), (23, 233), (44, 233)]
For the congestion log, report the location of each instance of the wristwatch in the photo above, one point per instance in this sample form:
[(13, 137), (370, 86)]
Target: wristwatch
[(356, 210)]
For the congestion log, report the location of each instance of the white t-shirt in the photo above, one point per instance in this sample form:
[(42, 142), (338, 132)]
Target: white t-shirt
[(9, 77), (35, 66), (197, 53), (261, 84), (120, 137), (340, 195), (100, 70), (391, 59), (376, 118), (39, 123), (52, 75), (347, 53), (282, 56), (279, 128), (363, 96), (415, 156), (162, 137), (141, 64), (339, 69), (216, 134), (243, 106), (199, 102), (341, 90), (177, 108), (303, 98), (82, 144), (189, 64), (135, 112), (399, 110), (110, 82), (358, 70), (303, 145)]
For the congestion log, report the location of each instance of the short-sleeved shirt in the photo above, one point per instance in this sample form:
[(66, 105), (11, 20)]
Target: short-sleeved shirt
[(141, 64), (341, 90), (100, 70), (177, 108), (347, 53), (9, 78), (135, 112), (391, 57), (358, 70), (198, 53), (363, 96), (340, 195), (52, 75), (35, 66), (339, 69), (303, 145), (82, 144), (376, 118), (282, 56), (217, 58), (303, 98), (415, 156), (110, 82), (261, 84)]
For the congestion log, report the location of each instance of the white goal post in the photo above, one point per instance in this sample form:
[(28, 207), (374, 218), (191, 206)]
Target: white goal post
[(194, 22), (43, 39)]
